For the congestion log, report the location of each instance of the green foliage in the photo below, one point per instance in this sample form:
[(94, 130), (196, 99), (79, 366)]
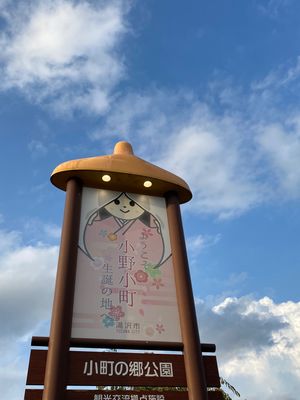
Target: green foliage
[(225, 395), (230, 387)]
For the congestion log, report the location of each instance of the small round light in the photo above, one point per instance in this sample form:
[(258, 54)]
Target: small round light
[(106, 178), (147, 184)]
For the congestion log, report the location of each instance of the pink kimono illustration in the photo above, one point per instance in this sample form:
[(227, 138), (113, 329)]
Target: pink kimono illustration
[(124, 264)]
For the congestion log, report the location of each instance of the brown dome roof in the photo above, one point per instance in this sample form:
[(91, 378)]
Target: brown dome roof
[(126, 171)]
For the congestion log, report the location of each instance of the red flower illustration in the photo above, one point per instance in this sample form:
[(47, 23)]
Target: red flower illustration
[(141, 276), (116, 312)]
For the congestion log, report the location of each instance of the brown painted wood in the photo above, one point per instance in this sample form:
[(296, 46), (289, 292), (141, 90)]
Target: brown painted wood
[(211, 395), (193, 360), (57, 361), (36, 394), (113, 344), (78, 361), (36, 367), (211, 371), (122, 344), (33, 394)]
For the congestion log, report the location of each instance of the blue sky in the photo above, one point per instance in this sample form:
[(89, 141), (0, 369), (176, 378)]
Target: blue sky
[(207, 90)]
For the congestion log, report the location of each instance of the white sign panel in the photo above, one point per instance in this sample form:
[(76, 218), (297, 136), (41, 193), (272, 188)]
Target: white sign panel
[(124, 284)]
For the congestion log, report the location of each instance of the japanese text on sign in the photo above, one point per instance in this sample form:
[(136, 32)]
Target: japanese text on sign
[(133, 368)]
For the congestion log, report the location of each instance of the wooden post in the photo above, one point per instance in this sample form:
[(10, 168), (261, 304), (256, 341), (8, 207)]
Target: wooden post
[(193, 360), (61, 323)]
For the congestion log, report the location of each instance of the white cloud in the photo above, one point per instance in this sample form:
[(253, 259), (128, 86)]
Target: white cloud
[(12, 378), (258, 345), (281, 146), (8, 240), (273, 8), (37, 148), (52, 231), (39, 232), (236, 280), (196, 244), (26, 294), (26, 274), (278, 78), (210, 156), (212, 152), (63, 53), (237, 148)]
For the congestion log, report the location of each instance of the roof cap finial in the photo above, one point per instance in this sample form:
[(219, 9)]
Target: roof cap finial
[(123, 148)]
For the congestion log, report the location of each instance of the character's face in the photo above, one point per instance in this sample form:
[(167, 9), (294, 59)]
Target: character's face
[(125, 208)]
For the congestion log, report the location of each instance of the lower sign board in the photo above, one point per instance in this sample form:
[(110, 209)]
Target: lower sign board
[(122, 369), (110, 368)]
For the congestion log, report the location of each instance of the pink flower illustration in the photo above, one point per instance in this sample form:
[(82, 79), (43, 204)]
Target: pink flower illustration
[(116, 312), (146, 233), (141, 276), (157, 283), (160, 328)]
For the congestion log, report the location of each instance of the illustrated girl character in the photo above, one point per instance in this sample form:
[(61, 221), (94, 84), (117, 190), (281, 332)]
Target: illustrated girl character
[(124, 224)]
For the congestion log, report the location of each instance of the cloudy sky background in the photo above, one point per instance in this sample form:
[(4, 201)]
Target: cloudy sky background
[(208, 90)]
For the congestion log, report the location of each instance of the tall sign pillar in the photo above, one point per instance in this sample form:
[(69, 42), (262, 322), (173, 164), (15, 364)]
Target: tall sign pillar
[(61, 323), (123, 282), (189, 328)]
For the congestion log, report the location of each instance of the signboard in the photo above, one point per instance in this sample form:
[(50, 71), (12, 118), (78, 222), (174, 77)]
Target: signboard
[(115, 284), (110, 368), (117, 369), (124, 280)]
